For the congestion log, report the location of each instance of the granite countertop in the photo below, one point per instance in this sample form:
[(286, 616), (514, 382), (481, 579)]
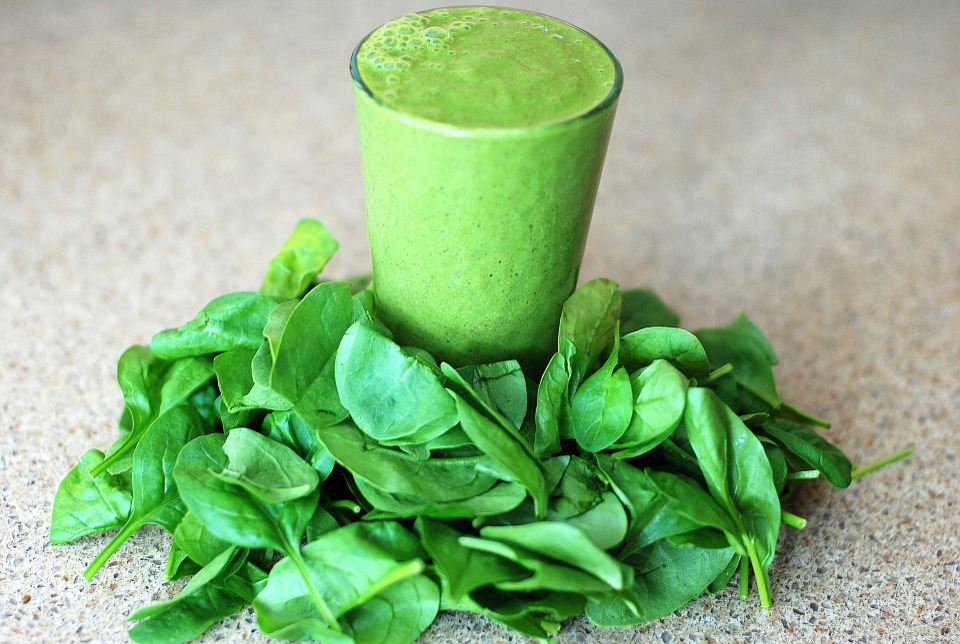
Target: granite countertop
[(797, 161)]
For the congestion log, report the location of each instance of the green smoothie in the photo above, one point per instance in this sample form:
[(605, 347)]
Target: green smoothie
[(482, 136)]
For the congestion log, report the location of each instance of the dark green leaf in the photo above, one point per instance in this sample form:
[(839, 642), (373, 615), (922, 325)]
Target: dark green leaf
[(666, 577), (502, 386), (228, 510), (552, 413), (812, 449), (565, 544), (642, 308), (738, 344), (347, 567), (738, 476), (204, 601), (661, 395), (507, 449)]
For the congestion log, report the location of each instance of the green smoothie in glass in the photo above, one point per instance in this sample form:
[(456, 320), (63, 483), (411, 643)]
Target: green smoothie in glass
[(482, 137)]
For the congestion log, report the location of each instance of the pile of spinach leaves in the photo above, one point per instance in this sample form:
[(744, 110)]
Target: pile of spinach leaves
[(349, 488)]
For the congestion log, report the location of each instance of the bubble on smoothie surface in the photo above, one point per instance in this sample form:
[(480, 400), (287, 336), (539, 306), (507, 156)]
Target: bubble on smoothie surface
[(485, 67)]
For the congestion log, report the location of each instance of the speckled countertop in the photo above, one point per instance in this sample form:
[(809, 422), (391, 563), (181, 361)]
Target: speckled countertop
[(797, 161)]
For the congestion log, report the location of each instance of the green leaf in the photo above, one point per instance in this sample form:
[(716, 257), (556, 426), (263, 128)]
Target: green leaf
[(269, 471), (399, 613), (155, 496), (661, 395), (812, 449), (677, 346), (552, 414), (507, 449), (665, 578), (441, 480), (303, 371), (502, 386), (741, 345), (347, 567), (231, 321), (602, 406), (204, 601), (390, 395), (642, 308), (589, 321), (499, 499), (196, 541), (566, 544), (87, 504), (465, 569), (289, 428), (738, 476), (301, 258), (229, 510)]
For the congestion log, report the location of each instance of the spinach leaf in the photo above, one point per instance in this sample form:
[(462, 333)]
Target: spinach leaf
[(679, 347), (589, 322), (552, 414), (301, 258), (642, 308), (155, 496), (440, 480), (507, 449), (347, 568), (812, 449), (204, 601), (499, 499), (231, 321), (212, 490), (501, 385), (738, 476), (87, 504), (306, 350), (566, 544), (197, 542), (537, 614), (602, 406), (151, 386), (665, 578), (465, 569), (290, 429), (741, 345), (389, 394), (661, 395)]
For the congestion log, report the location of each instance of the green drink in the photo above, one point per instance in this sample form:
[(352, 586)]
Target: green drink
[(482, 137)]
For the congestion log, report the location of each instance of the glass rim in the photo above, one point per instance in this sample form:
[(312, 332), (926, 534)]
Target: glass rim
[(607, 101)]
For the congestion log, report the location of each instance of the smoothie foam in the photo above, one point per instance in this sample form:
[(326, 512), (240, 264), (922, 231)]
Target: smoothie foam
[(486, 67)]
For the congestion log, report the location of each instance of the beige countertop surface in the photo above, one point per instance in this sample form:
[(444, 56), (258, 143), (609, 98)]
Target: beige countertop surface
[(796, 161)]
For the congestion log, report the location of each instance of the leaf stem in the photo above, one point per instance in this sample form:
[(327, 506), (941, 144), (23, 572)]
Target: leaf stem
[(127, 531), (717, 373), (793, 520), (763, 587), (803, 475), (883, 462), (744, 577)]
